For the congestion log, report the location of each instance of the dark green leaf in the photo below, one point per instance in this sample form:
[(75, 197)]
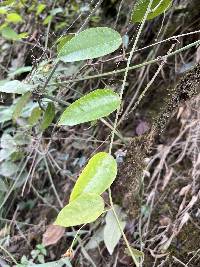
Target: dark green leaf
[(158, 7), (48, 116), (95, 105), (89, 44), (97, 176), (84, 209)]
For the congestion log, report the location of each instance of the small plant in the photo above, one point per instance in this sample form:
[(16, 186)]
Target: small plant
[(37, 256)]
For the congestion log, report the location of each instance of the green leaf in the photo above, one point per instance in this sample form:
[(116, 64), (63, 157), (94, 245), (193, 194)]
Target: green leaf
[(9, 34), (7, 3), (40, 8), (35, 115), (158, 7), (3, 10), (63, 40), (48, 116), (23, 100), (95, 105), (19, 71), (3, 186), (14, 18), (112, 233), (8, 168), (97, 176), (89, 44), (6, 113), (47, 20), (15, 87), (84, 209)]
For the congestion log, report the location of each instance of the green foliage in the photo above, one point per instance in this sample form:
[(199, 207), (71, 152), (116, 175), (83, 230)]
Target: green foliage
[(63, 40), (8, 33), (86, 208), (37, 255), (34, 117), (7, 2), (95, 105), (158, 7), (89, 44), (112, 233), (14, 18), (40, 8), (15, 87), (97, 176), (48, 116), (23, 100)]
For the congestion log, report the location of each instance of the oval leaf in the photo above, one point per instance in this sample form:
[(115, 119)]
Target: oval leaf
[(112, 233), (158, 7), (23, 100), (95, 105), (97, 176), (89, 44), (48, 116), (15, 87), (52, 235), (35, 115), (84, 209)]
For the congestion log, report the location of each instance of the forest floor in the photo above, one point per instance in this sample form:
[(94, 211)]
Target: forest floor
[(36, 182)]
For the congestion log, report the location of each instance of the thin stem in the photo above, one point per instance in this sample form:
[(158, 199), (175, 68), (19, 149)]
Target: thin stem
[(48, 28), (52, 184), (121, 230), (126, 72), (115, 125), (76, 235), (8, 253), (148, 85), (57, 62), (88, 18), (55, 99), (130, 68)]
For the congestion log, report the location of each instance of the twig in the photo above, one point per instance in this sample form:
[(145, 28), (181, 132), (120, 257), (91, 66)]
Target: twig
[(130, 68), (7, 252), (116, 120), (52, 184)]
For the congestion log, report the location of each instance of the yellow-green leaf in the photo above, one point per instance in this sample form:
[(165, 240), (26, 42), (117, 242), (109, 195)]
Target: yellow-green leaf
[(89, 44), (35, 115), (14, 18), (97, 176), (95, 105), (158, 7), (84, 209)]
